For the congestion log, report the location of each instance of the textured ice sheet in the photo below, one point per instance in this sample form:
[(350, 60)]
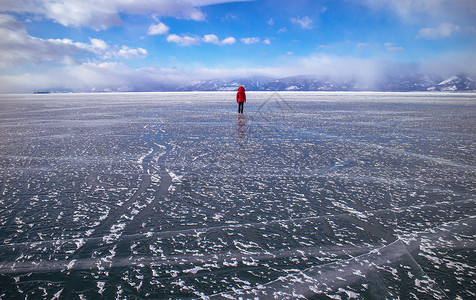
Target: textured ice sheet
[(174, 195)]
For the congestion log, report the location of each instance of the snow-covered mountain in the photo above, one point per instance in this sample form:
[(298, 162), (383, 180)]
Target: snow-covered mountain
[(457, 83), (252, 84), (415, 82)]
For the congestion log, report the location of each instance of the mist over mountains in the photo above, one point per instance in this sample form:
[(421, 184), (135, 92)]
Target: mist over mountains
[(308, 83)]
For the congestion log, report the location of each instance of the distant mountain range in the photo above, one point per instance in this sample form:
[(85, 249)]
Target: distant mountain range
[(455, 83), (413, 83)]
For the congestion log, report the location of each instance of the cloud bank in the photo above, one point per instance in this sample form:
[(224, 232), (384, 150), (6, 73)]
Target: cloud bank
[(113, 76)]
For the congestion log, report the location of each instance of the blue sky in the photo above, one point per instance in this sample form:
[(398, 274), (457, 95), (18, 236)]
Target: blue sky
[(85, 45)]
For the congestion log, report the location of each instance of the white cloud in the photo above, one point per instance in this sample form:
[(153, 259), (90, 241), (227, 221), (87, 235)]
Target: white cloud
[(129, 53), (95, 14), (184, 40), (187, 40), (267, 41), (305, 22), (10, 23), (229, 41), (250, 40), (18, 47), (159, 28), (103, 14), (99, 44), (211, 38), (443, 31)]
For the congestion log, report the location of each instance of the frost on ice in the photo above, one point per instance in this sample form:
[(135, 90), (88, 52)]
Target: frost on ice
[(306, 195)]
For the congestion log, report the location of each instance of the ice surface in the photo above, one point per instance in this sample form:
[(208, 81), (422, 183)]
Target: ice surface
[(174, 195)]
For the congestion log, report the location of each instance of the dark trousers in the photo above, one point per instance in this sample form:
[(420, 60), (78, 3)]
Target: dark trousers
[(240, 107)]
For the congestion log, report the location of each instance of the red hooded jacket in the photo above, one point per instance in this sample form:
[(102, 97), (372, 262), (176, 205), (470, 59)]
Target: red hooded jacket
[(240, 95)]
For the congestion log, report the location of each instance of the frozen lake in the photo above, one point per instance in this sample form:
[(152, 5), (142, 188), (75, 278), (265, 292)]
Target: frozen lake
[(175, 195)]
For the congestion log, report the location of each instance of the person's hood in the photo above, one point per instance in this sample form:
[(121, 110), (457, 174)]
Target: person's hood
[(241, 89)]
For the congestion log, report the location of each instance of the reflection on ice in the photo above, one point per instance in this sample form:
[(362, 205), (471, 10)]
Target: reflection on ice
[(308, 195), (241, 127)]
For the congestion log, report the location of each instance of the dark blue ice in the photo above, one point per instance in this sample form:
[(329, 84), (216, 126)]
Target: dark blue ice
[(174, 195)]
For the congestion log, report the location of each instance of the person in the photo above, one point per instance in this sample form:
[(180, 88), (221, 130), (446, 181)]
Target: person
[(240, 98)]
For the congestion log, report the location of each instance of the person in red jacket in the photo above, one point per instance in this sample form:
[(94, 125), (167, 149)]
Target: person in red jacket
[(240, 98)]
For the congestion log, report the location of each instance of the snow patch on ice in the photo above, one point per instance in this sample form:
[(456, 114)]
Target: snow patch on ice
[(79, 243), (193, 270), (349, 209), (175, 177), (141, 159), (100, 285), (71, 264), (57, 295), (350, 294)]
